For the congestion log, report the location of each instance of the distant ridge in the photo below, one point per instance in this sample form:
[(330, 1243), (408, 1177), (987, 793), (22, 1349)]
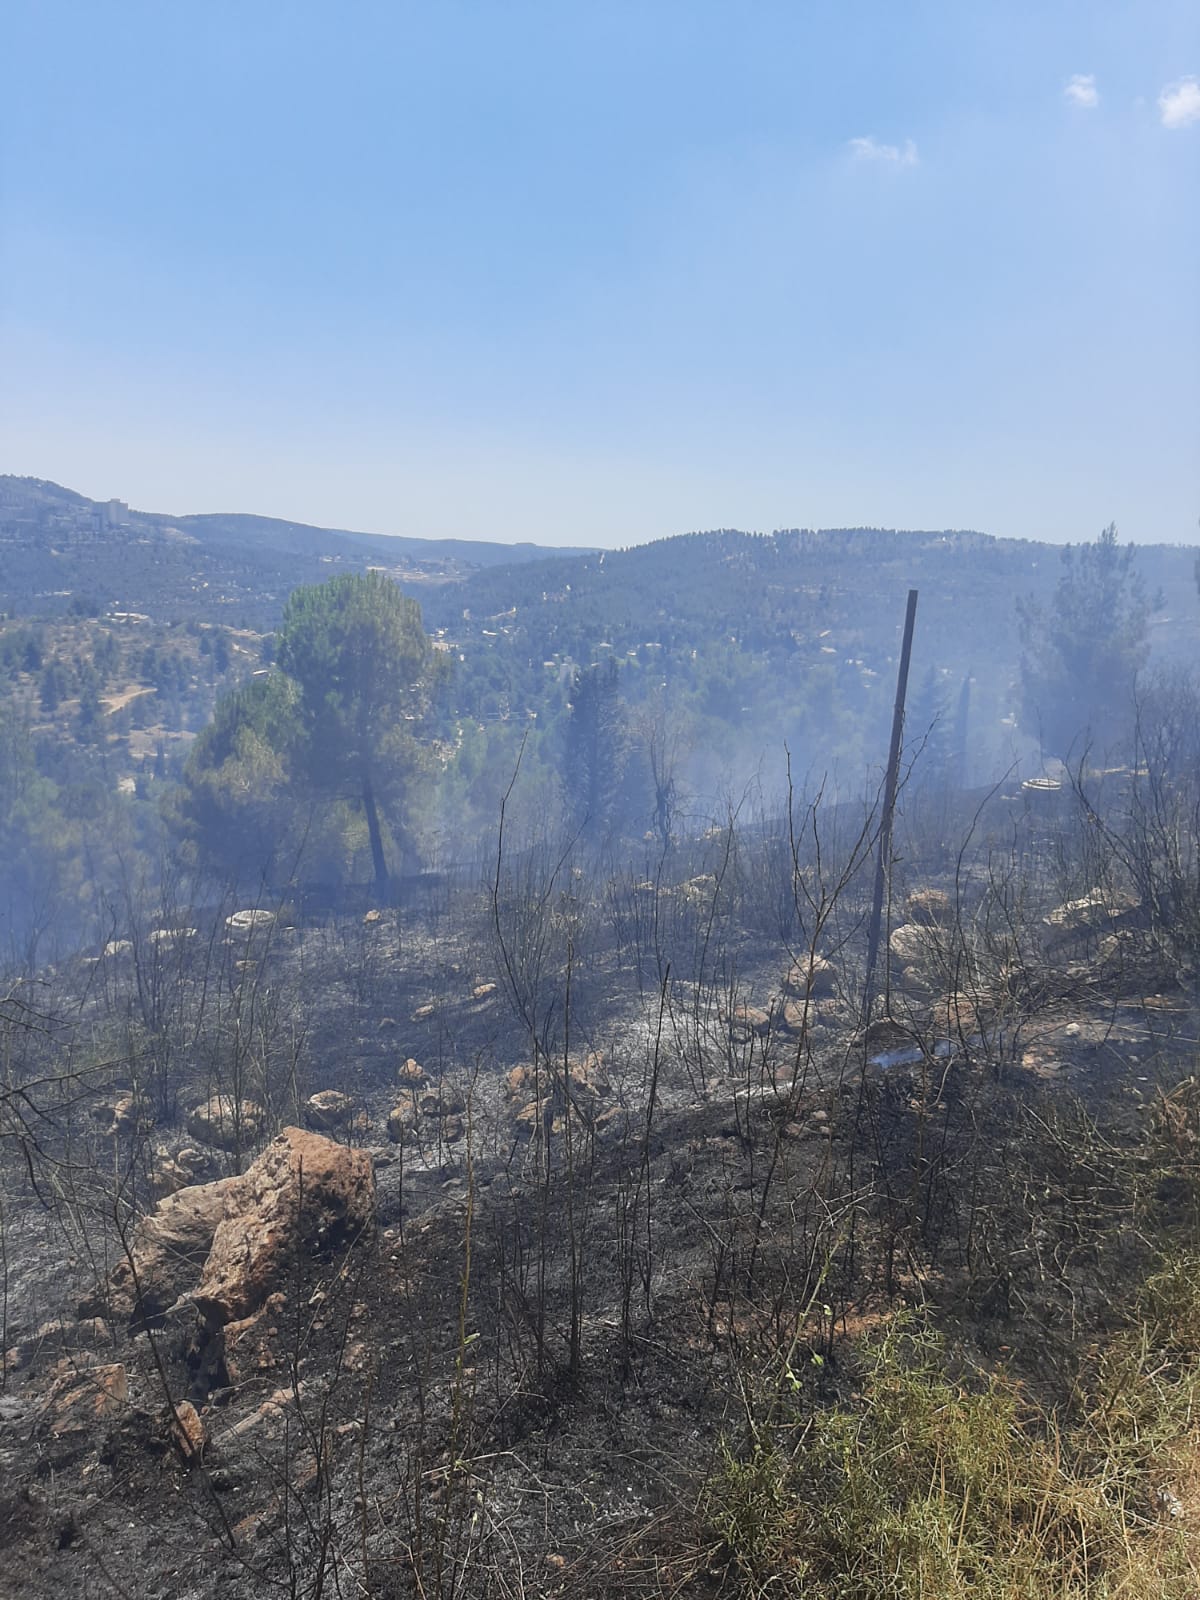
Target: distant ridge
[(56, 543)]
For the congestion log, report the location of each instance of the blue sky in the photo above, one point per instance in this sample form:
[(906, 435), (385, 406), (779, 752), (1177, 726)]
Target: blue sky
[(599, 273)]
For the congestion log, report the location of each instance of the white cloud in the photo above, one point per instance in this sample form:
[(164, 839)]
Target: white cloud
[(892, 155), (1179, 103), (1081, 91)]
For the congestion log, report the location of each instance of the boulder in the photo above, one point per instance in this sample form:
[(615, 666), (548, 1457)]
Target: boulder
[(80, 1398), (930, 908), (168, 1177), (483, 991), (220, 1121), (444, 1102), (122, 1116), (915, 944), (425, 1012), (792, 1016), (747, 1020), (1096, 909), (328, 1110), (591, 1075), (520, 1082), (411, 1074), (402, 1120), (247, 921), (813, 976), (168, 1249), (303, 1192), (186, 1430)]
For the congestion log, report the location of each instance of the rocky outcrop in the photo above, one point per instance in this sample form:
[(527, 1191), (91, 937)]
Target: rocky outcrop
[(920, 952), (179, 1170), (186, 1430), (1096, 909), (812, 976), (401, 1122), (930, 907), (227, 1124), (328, 1110), (227, 1245), (80, 1398), (304, 1192), (249, 920), (443, 1101), (121, 1116), (748, 1022), (166, 1254)]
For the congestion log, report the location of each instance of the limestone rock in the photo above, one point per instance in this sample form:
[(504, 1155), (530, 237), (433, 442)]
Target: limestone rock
[(930, 908), (247, 921), (402, 1120), (220, 1120), (328, 1110), (80, 1398), (121, 1116), (1096, 909), (915, 944), (443, 1102), (591, 1075), (812, 975), (303, 1191), (411, 1074), (520, 1082), (187, 1431), (483, 991), (792, 1016), (747, 1020), (169, 1248)]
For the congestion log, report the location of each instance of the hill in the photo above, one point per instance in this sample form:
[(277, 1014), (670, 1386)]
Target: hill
[(56, 544)]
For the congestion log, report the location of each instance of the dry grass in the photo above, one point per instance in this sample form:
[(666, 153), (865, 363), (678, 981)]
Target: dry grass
[(932, 1485)]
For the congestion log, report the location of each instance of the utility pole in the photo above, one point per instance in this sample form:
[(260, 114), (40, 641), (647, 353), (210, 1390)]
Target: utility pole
[(884, 861)]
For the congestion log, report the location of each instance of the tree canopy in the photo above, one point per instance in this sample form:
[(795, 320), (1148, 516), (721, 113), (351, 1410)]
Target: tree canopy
[(333, 728), (1082, 653)]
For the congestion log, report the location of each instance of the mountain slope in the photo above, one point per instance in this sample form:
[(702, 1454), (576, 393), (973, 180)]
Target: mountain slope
[(56, 544)]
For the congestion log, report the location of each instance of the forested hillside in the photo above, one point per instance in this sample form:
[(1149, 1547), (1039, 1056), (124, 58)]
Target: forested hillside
[(633, 686), (56, 544)]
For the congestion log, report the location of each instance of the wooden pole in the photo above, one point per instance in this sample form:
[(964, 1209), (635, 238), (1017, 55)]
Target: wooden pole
[(891, 783)]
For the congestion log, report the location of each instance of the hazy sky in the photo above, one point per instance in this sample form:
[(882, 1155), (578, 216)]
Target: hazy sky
[(597, 273)]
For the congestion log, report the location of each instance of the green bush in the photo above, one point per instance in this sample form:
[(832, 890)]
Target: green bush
[(933, 1485)]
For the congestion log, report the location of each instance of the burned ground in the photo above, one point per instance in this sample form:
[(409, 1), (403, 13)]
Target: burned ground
[(632, 1206)]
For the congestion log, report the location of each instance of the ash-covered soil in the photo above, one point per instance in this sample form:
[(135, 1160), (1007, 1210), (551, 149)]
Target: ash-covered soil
[(516, 1381)]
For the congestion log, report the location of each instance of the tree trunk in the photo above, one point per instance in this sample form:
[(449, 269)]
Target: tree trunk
[(377, 857)]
